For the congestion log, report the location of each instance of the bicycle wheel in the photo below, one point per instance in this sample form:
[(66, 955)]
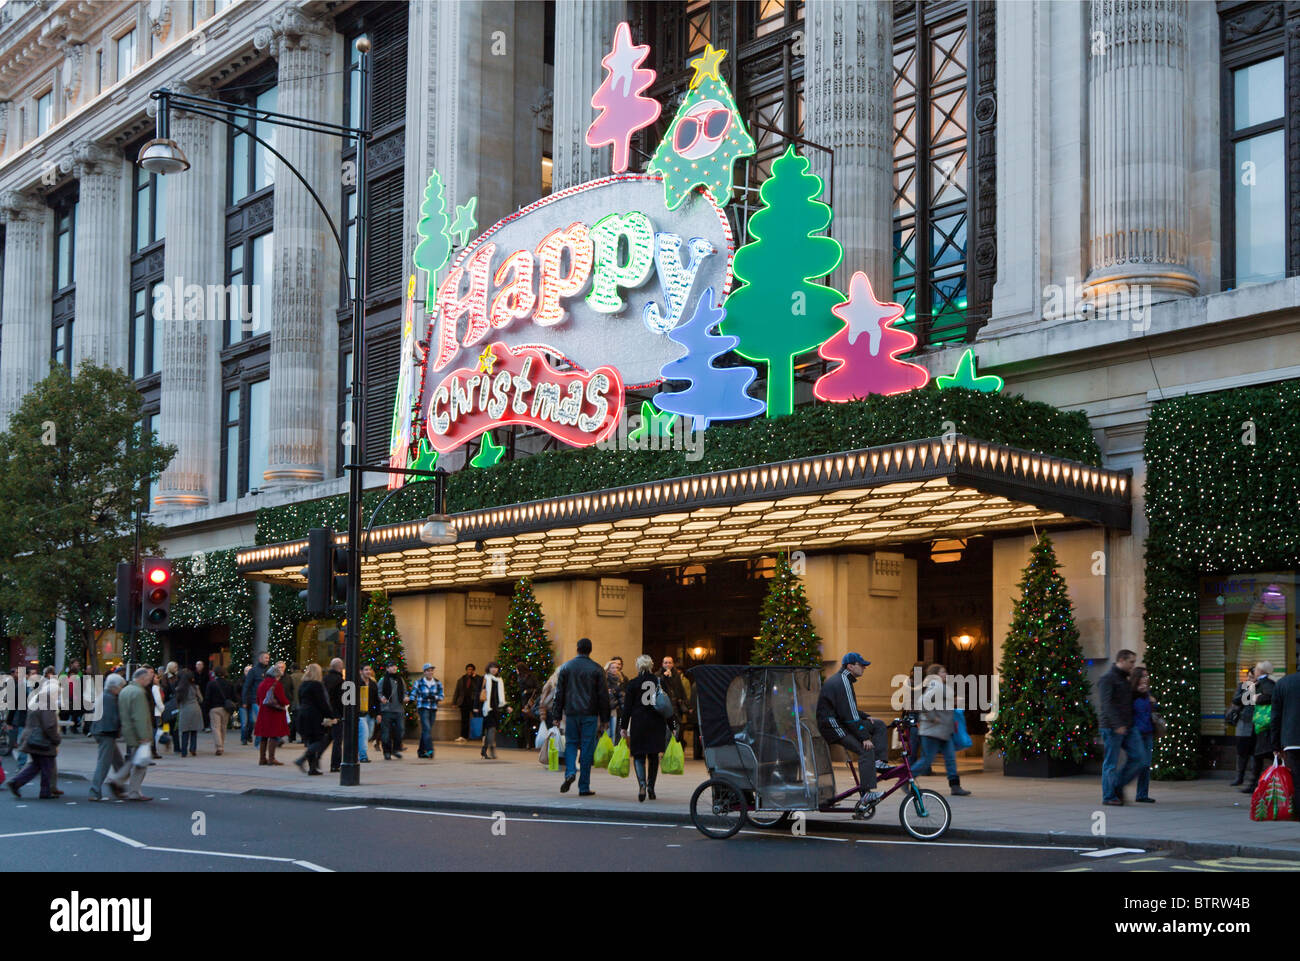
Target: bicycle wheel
[(718, 808), (769, 820), (929, 824)]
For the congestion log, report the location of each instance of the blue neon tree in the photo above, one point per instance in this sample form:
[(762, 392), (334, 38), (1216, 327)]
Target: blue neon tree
[(716, 393)]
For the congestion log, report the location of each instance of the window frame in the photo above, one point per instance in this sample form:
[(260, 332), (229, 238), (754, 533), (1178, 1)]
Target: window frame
[(1234, 56), (63, 306)]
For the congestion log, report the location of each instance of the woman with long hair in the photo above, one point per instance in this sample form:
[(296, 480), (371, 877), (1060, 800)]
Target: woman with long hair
[(1144, 706), (315, 718), (189, 713), (493, 702), (643, 726)]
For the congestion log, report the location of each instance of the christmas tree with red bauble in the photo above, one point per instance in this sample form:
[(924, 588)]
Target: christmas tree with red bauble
[(868, 347)]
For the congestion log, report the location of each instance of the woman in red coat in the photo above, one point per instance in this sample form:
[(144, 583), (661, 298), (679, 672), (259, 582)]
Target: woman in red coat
[(272, 715)]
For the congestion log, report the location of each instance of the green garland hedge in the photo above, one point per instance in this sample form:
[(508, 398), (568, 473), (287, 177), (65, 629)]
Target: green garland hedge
[(1214, 504), (209, 590)]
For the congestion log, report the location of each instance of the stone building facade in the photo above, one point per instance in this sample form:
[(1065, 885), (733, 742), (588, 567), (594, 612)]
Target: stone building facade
[(1102, 197)]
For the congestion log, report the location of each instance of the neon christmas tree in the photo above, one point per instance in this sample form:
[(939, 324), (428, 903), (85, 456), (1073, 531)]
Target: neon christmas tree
[(705, 139), (786, 635), (868, 348), (1043, 687), (966, 376), (781, 311), (434, 249), (715, 393), (623, 109)]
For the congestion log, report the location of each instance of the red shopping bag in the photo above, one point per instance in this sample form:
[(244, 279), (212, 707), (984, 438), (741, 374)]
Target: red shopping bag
[(1272, 799)]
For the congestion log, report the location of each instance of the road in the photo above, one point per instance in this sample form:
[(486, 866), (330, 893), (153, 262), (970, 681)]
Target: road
[(196, 831)]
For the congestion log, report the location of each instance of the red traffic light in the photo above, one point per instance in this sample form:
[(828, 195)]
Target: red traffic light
[(158, 576)]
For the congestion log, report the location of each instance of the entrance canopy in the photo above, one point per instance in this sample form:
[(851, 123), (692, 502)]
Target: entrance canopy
[(923, 490)]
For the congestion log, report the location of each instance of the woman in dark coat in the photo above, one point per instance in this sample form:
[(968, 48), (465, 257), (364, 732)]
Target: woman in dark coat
[(1244, 704), (643, 726), (313, 711), (272, 717), (189, 719)]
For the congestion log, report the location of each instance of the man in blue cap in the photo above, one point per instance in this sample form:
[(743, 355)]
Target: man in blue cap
[(864, 739)]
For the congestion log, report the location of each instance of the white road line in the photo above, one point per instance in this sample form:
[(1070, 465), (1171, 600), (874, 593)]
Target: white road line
[(1111, 852), (521, 820), (28, 834), (354, 807), (140, 845), (120, 837), (976, 844)]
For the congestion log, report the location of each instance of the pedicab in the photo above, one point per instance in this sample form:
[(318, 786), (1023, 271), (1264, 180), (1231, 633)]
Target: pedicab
[(767, 760)]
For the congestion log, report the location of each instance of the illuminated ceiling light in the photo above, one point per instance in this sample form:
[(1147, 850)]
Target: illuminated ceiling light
[(946, 552), (875, 463)]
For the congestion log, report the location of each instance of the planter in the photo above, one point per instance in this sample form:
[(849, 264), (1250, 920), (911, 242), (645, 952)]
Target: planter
[(1041, 766)]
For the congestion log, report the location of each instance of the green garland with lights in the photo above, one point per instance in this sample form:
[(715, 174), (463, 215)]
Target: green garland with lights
[(208, 590), (1043, 687), (1216, 503), (786, 636)]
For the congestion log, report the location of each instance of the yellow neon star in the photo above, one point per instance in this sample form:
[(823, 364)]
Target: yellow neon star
[(410, 288), (706, 65), (487, 360)]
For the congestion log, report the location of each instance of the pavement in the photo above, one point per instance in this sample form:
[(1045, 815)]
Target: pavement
[(1191, 819)]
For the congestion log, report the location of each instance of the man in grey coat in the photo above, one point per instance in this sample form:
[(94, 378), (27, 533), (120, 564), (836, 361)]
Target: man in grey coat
[(135, 710), (106, 730), (1117, 730)]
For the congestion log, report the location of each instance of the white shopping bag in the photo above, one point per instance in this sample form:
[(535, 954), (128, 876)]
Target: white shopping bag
[(143, 756)]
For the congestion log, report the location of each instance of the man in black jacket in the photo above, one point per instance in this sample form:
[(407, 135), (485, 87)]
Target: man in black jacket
[(1285, 722), (465, 697), (334, 688), (582, 696), (862, 738), (1117, 731), (248, 697)]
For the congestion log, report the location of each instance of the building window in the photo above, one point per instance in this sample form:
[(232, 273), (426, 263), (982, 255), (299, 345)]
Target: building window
[(146, 331), (259, 432), (931, 149), (150, 211), (1258, 138), (699, 26), (230, 446), (248, 280), (252, 166), (149, 425), (125, 54), (63, 310), (148, 310), (44, 112)]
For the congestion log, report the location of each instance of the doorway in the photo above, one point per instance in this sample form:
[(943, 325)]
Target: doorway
[(704, 613)]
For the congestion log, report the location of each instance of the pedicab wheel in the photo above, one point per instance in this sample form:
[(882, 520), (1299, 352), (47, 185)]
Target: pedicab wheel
[(718, 808), (768, 820), (929, 824)]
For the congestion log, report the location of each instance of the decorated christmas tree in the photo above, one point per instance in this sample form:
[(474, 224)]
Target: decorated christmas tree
[(623, 109), (786, 635), (868, 348), (1043, 708), (434, 249), (781, 311), (380, 642), (705, 139), (525, 641), (715, 393)]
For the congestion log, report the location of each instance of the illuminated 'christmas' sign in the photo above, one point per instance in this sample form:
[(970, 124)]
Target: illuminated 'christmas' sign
[(519, 386)]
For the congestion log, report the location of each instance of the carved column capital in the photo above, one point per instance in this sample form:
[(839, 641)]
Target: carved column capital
[(15, 205), (291, 29), (90, 157)]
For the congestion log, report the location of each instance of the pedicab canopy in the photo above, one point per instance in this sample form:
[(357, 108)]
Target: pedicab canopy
[(759, 726)]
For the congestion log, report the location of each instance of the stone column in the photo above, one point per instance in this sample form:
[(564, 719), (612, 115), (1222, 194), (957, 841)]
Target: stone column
[(849, 107), (101, 334), (187, 417), (584, 33), (304, 250), (1137, 84), (29, 262)]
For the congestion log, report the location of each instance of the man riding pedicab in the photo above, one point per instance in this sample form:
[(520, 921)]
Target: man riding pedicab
[(864, 739)]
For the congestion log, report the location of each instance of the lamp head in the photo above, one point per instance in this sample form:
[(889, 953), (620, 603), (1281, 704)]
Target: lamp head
[(163, 156)]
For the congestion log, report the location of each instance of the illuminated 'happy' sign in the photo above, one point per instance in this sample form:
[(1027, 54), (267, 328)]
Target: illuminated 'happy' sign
[(596, 274)]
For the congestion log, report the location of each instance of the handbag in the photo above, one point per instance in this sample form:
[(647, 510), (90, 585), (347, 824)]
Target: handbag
[(269, 700), (231, 707), (1158, 725), (1234, 714), (663, 703), (475, 727)]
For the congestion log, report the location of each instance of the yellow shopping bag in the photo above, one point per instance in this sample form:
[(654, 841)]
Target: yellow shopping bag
[(604, 750), (620, 762), (674, 761)]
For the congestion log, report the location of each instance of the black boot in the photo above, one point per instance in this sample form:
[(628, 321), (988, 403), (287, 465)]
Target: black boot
[(1241, 771), (955, 788)]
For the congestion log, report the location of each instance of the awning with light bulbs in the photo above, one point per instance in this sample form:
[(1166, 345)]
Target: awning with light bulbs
[(937, 489)]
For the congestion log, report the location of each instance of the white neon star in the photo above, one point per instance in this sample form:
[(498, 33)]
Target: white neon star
[(864, 313)]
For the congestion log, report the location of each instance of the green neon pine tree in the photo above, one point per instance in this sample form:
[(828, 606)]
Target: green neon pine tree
[(781, 311), (786, 635), (525, 639), (1043, 707), (434, 249), (381, 642)]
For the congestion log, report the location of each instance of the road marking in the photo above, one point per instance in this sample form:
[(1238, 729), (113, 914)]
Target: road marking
[(1140, 860), (140, 845), (521, 820), (784, 834), (1188, 867), (353, 807), (1111, 852), (27, 834), (974, 844), (1073, 870)]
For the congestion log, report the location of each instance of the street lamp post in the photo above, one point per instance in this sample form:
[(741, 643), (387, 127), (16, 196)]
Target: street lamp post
[(163, 155)]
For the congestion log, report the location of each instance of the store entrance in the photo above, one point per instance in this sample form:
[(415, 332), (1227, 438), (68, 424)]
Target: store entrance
[(185, 645), (704, 613)]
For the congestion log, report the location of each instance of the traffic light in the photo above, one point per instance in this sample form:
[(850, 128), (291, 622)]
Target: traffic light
[(340, 556), (156, 591), (128, 599), (320, 543)]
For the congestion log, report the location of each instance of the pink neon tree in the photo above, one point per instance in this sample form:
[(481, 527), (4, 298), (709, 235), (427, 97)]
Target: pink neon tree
[(623, 110), (868, 346)]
